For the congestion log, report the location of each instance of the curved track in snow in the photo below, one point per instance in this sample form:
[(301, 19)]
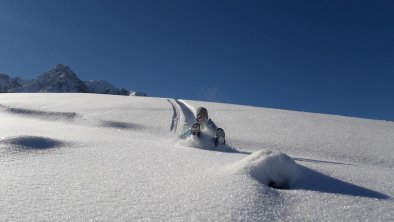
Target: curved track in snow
[(175, 117), (183, 117)]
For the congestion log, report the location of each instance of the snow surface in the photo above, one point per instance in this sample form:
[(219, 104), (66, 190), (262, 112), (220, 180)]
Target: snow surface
[(86, 157)]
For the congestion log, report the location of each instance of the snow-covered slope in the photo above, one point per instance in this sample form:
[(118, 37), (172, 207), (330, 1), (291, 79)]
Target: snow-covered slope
[(86, 157)]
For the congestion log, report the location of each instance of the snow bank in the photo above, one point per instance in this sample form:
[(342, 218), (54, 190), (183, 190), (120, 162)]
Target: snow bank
[(271, 168)]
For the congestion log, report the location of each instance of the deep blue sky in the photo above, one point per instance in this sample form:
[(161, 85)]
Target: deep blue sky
[(330, 56)]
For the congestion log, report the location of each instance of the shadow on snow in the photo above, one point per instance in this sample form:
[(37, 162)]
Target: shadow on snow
[(41, 114), (321, 161), (315, 181), (32, 143), (121, 125)]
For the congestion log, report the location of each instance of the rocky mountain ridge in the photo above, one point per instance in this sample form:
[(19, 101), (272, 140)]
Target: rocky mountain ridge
[(60, 79)]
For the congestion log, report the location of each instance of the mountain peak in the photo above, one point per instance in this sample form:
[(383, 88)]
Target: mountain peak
[(61, 79), (58, 79), (4, 76), (61, 66), (61, 71)]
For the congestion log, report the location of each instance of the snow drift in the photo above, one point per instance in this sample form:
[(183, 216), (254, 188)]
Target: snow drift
[(271, 168)]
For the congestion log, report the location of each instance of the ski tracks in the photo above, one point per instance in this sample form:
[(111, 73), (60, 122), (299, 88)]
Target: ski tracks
[(183, 117)]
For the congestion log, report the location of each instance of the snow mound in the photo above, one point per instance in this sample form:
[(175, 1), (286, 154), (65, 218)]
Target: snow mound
[(271, 168), (33, 142)]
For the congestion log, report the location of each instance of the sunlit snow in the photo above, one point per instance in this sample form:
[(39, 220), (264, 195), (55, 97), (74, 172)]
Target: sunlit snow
[(83, 157)]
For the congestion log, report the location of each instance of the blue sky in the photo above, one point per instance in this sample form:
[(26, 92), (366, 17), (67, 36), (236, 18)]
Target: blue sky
[(334, 57)]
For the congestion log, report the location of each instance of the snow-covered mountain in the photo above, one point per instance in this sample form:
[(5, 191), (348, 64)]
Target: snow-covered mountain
[(90, 157), (104, 87), (7, 83), (137, 93), (59, 79)]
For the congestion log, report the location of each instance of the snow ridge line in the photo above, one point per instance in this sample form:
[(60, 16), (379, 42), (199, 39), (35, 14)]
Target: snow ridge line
[(183, 117), (175, 116), (188, 114), (190, 107)]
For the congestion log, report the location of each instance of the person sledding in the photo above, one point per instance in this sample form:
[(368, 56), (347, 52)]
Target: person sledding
[(205, 125)]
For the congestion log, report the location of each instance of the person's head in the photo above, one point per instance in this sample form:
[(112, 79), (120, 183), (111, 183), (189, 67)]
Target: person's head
[(202, 115)]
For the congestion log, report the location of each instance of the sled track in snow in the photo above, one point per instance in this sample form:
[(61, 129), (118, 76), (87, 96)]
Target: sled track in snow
[(175, 116), (183, 117), (188, 113)]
